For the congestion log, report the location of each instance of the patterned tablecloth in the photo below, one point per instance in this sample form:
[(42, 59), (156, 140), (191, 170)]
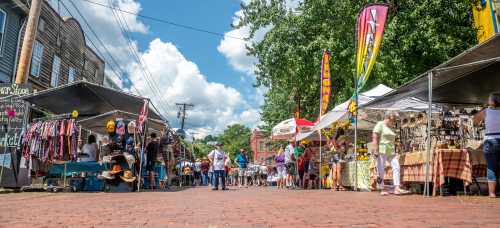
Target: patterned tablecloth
[(458, 163), (461, 164), (364, 174), (451, 163)]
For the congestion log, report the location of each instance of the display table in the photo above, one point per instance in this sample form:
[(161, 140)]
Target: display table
[(68, 168), (349, 174), (413, 166), (454, 163)]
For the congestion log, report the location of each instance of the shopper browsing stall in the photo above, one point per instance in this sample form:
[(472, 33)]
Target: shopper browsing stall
[(339, 146), (491, 147), (89, 151), (384, 150), (151, 153)]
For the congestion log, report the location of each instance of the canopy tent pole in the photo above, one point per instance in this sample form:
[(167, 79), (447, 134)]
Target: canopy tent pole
[(356, 136), (141, 158), (320, 160), (429, 139)]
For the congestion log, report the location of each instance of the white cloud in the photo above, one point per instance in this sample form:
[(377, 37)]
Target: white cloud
[(216, 105), (235, 50), (178, 79)]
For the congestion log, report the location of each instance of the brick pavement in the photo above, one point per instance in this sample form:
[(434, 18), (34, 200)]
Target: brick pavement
[(253, 207)]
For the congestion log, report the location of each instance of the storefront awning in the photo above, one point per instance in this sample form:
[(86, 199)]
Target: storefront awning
[(88, 99), (98, 123), (465, 79)]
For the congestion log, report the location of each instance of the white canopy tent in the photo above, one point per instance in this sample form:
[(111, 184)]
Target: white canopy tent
[(340, 111)]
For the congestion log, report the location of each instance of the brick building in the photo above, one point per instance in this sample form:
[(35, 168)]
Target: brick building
[(261, 147)]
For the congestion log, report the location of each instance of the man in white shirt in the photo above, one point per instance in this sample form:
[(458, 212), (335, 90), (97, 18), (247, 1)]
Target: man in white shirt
[(218, 159)]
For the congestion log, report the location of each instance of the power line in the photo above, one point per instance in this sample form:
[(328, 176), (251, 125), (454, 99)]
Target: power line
[(101, 42), (118, 74), (147, 74), (166, 21)]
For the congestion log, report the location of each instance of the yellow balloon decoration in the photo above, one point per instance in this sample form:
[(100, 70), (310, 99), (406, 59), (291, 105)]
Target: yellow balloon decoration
[(74, 114)]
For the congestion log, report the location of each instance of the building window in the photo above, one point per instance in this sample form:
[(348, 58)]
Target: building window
[(56, 70), (71, 75), (262, 147), (41, 25), (3, 20), (36, 59)]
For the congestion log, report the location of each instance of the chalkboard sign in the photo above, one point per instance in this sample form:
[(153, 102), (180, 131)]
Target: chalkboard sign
[(12, 117)]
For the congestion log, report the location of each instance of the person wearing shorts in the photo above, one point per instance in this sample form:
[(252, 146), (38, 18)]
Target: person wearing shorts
[(290, 164), (242, 161)]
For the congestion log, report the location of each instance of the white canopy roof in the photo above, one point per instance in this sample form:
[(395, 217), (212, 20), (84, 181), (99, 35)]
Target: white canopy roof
[(341, 110)]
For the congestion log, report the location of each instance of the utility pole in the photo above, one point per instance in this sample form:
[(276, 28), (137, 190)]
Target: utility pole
[(182, 112), (29, 38)]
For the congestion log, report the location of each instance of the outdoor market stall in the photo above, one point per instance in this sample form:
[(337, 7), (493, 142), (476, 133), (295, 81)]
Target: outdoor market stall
[(355, 173), (464, 81), (358, 171), (89, 104)]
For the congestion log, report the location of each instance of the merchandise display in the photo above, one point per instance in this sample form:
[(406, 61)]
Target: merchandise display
[(51, 140)]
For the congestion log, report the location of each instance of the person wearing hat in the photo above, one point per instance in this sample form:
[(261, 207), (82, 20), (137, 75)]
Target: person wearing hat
[(218, 159), (151, 153)]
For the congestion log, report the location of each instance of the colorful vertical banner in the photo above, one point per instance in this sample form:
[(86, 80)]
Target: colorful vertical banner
[(485, 19), (369, 33), (326, 83), (143, 116)]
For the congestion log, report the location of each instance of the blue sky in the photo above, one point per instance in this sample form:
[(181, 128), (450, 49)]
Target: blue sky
[(212, 72), (201, 48)]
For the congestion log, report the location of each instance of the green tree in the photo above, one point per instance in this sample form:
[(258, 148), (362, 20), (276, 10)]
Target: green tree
[(419, 35), (235, 137)]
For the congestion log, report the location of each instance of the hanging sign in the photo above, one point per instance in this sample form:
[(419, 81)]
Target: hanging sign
[(326, 82), (12, 113)]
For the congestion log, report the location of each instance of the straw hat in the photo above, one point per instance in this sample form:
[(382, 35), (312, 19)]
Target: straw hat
[(116, 169), (128, 176), (106, 175)]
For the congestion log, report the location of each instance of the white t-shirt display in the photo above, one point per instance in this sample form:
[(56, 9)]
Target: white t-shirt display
[(288, 153), (218, 157)]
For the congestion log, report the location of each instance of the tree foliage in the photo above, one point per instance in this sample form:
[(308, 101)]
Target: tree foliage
[(419, 35), (235, 137)]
